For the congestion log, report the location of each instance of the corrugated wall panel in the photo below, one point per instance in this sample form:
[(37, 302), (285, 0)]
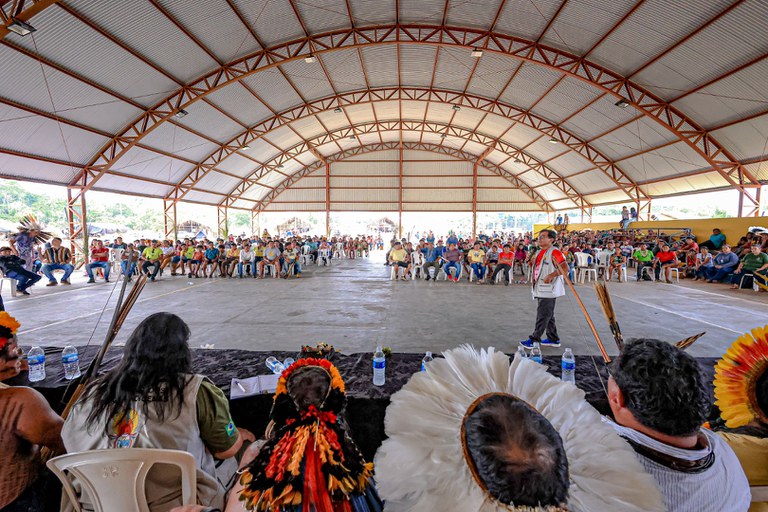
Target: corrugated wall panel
[(237, 101), (510, 195), (293, 207), (362, 207), (697, 183), (304, 195), (508, 207), (437, 168), (608, 197), (437, 182), (364, 195), (439, 195), (310, 182), (365, 168), (363, 183)]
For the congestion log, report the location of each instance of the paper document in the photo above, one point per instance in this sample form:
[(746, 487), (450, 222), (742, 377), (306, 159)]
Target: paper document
[(257, 385)]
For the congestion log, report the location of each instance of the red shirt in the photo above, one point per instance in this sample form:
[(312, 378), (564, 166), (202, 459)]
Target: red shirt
[(557, 256), (665, 257), (100, 254), (506, 257)]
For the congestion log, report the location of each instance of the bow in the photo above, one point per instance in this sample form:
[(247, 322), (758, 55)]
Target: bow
[(121, 313)]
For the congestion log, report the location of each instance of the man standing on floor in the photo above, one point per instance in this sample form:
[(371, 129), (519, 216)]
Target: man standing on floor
[(548, 284)]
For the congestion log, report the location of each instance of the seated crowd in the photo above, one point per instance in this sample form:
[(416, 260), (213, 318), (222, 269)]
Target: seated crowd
[(242, 256), (474, 431), (653, 255)]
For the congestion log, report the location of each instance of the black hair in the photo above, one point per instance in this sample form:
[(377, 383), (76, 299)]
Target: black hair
[(551, 233), (309, 386), (663, 387), (155, 368), (517, 453)]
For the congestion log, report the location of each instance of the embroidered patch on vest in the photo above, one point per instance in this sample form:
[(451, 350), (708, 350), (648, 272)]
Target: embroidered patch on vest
[(125, 430), (230, 428)]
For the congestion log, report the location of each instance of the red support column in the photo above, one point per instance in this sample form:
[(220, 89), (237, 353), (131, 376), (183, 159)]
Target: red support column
[(77, 218)]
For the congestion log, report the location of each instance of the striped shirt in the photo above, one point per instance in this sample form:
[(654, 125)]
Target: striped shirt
[(719, 488), (60, 255)]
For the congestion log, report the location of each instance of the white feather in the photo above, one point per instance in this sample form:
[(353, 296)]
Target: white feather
[(421, 466)]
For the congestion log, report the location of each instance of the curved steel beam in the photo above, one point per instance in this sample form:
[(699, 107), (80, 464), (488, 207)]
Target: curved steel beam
[(583, 148), (652, 106), (417, 126), (382, 146)]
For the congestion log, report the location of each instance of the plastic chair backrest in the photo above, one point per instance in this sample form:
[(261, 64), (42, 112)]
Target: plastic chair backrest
[(582, 259), (114, 479)]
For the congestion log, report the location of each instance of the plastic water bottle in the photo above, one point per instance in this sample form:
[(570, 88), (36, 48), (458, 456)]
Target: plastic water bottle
[(522, 353), (36, 360), (71, 362), (427, 358), (569, 367), (379, 367), (536, 353)]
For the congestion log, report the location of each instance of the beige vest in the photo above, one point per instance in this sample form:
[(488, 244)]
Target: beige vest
[(553, 289), (175, 433)]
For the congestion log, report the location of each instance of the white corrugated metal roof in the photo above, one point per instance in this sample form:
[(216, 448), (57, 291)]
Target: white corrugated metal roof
[(96, 53)]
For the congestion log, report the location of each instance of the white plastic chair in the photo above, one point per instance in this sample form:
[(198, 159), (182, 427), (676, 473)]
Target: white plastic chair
[(676, 273), (500, 277), (323, 259), (417, 260), (306, 257), (395, 273), (115, 256), (649, 271), (271, 268), (11, 282), (338, 251), (114, 479), (582, 267), (622, 274)]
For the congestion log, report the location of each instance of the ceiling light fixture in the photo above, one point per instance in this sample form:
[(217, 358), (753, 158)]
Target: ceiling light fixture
[(456, 108), (477, 53), (245, 147), (181, 113), (279, 166), (309, 59), (622, 103), (553, 140), (442, 135), (337, 110), (518, 161), (21, 28), (351, 137)]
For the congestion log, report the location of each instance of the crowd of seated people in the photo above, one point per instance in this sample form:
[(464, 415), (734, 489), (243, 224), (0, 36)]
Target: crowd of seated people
[(653, 254), (654, 451)]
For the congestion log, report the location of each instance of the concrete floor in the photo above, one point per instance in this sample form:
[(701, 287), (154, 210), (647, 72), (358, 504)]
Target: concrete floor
[(353, 305)]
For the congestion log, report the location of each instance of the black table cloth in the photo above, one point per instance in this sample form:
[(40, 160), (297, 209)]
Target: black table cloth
[(366, 403)]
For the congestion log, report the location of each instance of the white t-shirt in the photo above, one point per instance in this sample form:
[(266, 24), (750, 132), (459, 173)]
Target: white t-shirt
[(247, 255)]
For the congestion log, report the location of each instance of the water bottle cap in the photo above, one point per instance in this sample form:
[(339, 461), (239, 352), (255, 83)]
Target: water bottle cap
[(429, 354)]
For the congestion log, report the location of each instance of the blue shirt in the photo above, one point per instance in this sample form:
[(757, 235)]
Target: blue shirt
[(727, 260), (452, 239), (717, 240), (211, 254), (430, 255)]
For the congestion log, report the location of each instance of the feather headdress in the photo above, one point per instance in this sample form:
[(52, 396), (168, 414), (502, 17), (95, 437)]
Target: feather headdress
[(8, 328), (736, 377), (29, 223), (310, 462), (422, 466)]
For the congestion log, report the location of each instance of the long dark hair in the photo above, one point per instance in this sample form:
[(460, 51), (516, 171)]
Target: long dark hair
[(155, 367)]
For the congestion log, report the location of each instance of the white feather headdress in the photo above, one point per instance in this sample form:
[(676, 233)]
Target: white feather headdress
[(421, 466)]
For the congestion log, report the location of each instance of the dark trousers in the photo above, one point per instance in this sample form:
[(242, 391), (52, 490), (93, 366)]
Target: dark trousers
[(545, 320), (147, 264), (501, 267), (718, 274), (24, 278), (640, 266)]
